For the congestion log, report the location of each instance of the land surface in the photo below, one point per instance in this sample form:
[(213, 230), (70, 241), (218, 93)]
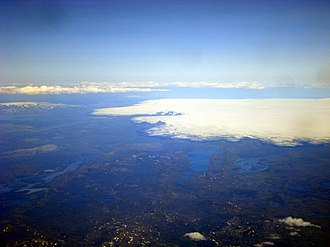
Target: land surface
[(69, 178)]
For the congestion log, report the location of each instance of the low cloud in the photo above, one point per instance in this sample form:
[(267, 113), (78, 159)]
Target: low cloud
[(297, 222), (281, 121), (195, 236)]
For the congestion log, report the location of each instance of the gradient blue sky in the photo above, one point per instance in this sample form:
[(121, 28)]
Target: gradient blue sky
[(286, 42)]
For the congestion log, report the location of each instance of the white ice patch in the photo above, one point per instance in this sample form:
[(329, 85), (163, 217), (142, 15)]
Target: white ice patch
[(281, 121)]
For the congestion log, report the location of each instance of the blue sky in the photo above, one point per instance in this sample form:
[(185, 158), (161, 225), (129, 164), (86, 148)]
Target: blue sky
[(49, 42)]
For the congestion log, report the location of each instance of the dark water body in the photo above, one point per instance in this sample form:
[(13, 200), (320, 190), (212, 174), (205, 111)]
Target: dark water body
[(199, 160), (325, 183), (300, 186), (252, 165), (73, 166), (76, 203), (106, 198), (22, 202), (37, 181)]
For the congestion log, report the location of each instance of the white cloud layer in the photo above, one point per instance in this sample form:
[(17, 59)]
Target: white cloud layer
[(195, 236), (281, 121), (200, 84), (118, 87), (122, 87), (297, 222), (80, 89)]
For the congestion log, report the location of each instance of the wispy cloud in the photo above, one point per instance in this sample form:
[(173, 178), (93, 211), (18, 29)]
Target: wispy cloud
[(281, 121)]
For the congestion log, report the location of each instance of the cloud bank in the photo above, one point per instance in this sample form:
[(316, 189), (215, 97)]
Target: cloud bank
[(281, 121)]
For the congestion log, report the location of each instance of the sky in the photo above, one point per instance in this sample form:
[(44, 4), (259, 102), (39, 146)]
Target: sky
[(67, 42)]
